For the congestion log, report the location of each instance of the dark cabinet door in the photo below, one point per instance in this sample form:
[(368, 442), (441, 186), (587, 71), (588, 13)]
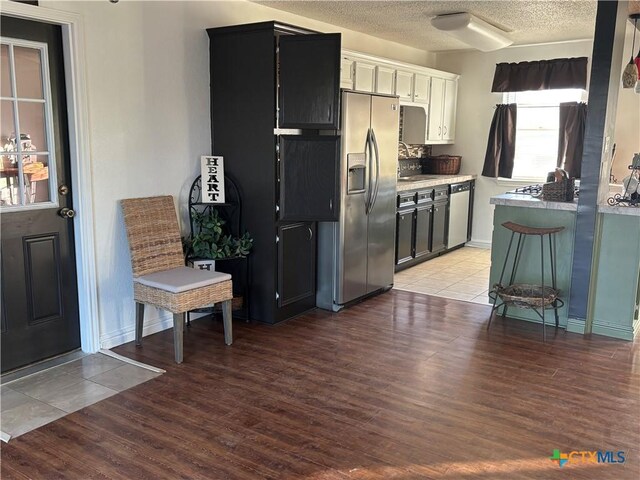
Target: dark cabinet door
[(309, 93), (423, 230), (309, 176), (404, 236), (296, 262), (439, 229)]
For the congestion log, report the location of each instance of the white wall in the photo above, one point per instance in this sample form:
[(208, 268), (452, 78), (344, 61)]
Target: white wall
[(148, 94), (627, 133), (475, 111)]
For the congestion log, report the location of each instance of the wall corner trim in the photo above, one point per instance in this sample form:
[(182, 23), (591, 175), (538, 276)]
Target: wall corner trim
[(576, 325)]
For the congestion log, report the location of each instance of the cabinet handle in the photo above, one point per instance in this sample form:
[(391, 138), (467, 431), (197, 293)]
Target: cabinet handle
[(445, 130), (331, 204), (439, 130), (310, 233)]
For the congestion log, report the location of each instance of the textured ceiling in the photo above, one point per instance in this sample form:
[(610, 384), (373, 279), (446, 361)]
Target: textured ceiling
[(408, 22)]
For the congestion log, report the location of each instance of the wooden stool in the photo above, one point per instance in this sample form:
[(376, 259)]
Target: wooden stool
[(534, 297)]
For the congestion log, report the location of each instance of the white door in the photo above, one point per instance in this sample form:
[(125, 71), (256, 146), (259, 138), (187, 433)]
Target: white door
[(384, 80), (421, 88), (449, 110), (364, 77), (404, 85), (436, 108), (346, 73)]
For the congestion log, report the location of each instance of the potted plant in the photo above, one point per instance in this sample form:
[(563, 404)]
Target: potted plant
[(212, 241)]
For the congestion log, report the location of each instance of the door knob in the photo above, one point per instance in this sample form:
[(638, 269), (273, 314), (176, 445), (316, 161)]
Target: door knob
[(63, 190), (67, 212)]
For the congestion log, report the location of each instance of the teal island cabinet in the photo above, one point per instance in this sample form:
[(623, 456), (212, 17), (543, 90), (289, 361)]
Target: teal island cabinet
[(616, 290), (615, 284), (533, 212)]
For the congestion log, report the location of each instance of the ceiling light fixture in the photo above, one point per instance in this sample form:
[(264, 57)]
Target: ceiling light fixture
[(471, 30), (630, 72)]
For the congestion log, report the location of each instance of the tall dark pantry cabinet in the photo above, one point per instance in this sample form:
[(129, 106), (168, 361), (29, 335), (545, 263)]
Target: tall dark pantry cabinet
[(275, 93)]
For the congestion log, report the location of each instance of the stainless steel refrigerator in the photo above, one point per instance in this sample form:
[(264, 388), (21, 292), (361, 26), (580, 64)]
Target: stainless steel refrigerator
[(356, 254)]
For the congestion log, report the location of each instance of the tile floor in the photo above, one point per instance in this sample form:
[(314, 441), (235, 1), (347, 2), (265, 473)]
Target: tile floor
[(462, 274), (41, 398)]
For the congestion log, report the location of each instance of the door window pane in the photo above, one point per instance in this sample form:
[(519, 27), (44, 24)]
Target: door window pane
[(7, 126), (36, 178), (27, 169), (5, 79), (28, 66), (32, 126)]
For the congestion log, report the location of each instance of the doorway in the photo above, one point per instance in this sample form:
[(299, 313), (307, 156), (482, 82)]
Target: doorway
[(40, 312)]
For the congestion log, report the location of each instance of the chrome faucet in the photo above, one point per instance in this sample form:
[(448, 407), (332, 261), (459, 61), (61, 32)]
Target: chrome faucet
[(406, 147)]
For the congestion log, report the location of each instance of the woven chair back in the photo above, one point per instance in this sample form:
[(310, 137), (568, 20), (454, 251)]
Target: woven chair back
[(153, 233)]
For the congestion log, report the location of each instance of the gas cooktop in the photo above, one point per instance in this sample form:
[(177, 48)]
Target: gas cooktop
[(536, 190)]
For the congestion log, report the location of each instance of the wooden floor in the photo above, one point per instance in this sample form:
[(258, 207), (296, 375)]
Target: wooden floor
[(401, 386)]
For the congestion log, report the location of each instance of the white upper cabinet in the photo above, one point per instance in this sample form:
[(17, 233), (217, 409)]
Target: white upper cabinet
[(365, 77), (442, 110), (404, 85), (435, 109), (421, 85), (433, 91), (385, 80), (449, 110), (346, 73)]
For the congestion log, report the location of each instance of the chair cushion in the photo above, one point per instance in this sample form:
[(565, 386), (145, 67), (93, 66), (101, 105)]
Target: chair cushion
[(181, 279)]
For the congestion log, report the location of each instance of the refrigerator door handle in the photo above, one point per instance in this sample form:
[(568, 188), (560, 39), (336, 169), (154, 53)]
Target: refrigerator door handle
[(377, 152), (369, 161)]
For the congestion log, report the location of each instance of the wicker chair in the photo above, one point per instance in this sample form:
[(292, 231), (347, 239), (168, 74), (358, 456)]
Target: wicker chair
[(160, 277)]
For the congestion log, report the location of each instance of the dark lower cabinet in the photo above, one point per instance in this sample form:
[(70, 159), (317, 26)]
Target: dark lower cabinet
[(439, 228), (423, 230), (296, 263), (404, 236)]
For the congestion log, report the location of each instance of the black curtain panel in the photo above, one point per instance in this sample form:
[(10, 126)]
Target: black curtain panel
[(501, 146), (573, 117), (541, 75)]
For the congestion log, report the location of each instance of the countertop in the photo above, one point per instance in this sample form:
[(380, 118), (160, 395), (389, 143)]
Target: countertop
[(426, 181), (619, 210), (527, 201)]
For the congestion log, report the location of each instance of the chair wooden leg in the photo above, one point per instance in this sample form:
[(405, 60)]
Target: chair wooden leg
[(226, 319), (178, 326), (139, 322)]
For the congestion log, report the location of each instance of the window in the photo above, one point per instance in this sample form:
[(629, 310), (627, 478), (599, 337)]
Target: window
[(27, 168), (537, 130)]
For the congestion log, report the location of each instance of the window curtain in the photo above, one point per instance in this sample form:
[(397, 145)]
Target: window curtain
[(573, 117), (501, 146), (541, 75)]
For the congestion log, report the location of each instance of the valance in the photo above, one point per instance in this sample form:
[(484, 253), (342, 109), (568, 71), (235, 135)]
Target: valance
[(541, 75)]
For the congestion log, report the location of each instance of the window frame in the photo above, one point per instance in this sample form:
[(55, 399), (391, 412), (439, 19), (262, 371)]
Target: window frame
[(512, 97), (53, 202)]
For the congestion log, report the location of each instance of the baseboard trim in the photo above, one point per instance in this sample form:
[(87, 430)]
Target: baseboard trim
[(479, 244), (615, 331), (575, 325), (122, 358), (128, 334)]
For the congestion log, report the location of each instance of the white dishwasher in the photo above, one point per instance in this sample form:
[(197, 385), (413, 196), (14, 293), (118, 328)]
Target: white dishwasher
[(458, 214)]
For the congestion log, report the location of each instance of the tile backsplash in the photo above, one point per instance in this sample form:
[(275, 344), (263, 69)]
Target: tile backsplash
[(415, 151)]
